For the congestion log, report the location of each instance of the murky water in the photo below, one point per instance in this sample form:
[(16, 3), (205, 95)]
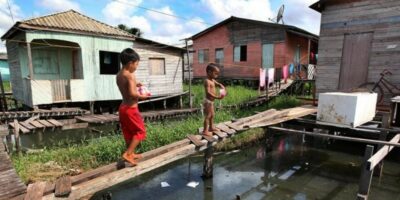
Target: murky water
[(287, 167)]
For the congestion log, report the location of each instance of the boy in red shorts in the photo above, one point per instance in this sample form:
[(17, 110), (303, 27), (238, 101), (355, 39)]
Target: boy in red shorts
[(132, 124)]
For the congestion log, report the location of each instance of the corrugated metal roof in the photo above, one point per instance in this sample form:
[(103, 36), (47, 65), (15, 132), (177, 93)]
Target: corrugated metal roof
[(75, 22)]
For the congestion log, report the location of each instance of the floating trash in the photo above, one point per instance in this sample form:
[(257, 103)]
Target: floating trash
[(297, 167), (164, 184), (193, 184), (287, 174)]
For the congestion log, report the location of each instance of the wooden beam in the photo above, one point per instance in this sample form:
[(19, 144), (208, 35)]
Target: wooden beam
[(55, 122), (337, 137), (46, 123), (366, 175), (35, 191), (63, 186), (225, 128), (110, 179), (31, 119), (380, 155), (86, 176), (37, 124), (75, 126), (196, 140), (16, 133)]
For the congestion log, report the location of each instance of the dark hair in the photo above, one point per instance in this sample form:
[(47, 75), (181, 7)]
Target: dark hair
[(212, 67), (128, 55)]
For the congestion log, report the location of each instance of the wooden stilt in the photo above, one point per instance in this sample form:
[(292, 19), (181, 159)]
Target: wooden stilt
[(366, 175), (9, 145), (379, 168), (16, 133), (208, 163), (91, 106), (180, 102), (165, 104)]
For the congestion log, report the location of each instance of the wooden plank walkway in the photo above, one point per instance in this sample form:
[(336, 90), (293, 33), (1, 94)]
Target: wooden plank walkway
[(10, 184), (31, 125), (99, 179), (151, 115), (42, 113)]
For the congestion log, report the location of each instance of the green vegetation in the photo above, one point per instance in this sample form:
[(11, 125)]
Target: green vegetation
[(236, 94), (7, 86), (54, 162)]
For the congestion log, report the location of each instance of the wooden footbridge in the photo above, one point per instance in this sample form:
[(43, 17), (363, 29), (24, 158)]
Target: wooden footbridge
[(10, 184), (90, 182)]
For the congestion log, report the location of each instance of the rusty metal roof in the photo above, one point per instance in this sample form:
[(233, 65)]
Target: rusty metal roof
[(70, 21)]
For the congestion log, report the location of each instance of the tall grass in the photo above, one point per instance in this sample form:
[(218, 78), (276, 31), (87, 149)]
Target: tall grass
[(104, 150), (236, 94)]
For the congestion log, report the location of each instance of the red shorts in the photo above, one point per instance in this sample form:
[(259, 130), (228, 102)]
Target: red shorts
[(132, 124)]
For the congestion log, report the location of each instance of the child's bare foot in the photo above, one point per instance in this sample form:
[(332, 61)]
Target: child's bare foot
[(129, 158), (137, 156), (206, 133), (213, 129)]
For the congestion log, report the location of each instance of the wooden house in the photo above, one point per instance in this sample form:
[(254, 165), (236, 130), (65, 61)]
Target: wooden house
[(69, 57), (242, 46), (358, 40)]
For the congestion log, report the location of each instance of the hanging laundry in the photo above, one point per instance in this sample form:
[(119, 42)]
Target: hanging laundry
[(285, 72), (291, 68), (263, 74), (271, 73)]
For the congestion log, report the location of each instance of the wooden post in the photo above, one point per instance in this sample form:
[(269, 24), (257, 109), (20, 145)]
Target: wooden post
[(208, 162), (91, 106), (30, 65), (366, 175), (190, 75), (9, 145), (165, 104), (180, 102), (379, 168), (16, 133), (3, 95), (308, 53), (314, 93)]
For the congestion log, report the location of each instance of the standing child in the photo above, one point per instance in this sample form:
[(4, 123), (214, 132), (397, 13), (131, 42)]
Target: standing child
[(208, 103), (132, 124)]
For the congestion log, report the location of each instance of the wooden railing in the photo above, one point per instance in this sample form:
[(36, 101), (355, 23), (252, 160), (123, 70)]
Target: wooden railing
[(61, 90)]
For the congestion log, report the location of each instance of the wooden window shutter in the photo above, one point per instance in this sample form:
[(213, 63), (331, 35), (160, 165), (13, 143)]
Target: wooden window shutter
[(157, 66)]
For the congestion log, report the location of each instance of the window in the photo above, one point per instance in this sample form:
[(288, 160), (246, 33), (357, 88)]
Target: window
[(157, 66), (203, 56), (240, 53), (109, 62), (219, 56)]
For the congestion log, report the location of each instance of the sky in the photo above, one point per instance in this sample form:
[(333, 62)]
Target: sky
[(197, 14)]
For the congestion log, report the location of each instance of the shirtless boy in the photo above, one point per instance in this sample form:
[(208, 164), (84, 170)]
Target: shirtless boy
[(209, 85), (132, 124)]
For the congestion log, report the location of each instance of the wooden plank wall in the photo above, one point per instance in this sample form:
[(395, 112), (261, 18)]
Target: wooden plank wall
[(166, 84), (15, 70), (382, 17)]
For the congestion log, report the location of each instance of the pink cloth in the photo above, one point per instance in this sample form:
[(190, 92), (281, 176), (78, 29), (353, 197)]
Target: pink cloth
[(271, 73), (285, 72), (263, 74)]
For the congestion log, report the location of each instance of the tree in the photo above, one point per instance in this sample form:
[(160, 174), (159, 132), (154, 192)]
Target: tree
[(133, 30)]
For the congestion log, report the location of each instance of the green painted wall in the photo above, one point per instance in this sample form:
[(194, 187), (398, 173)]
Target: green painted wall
[(5, 70), (96, 86)]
